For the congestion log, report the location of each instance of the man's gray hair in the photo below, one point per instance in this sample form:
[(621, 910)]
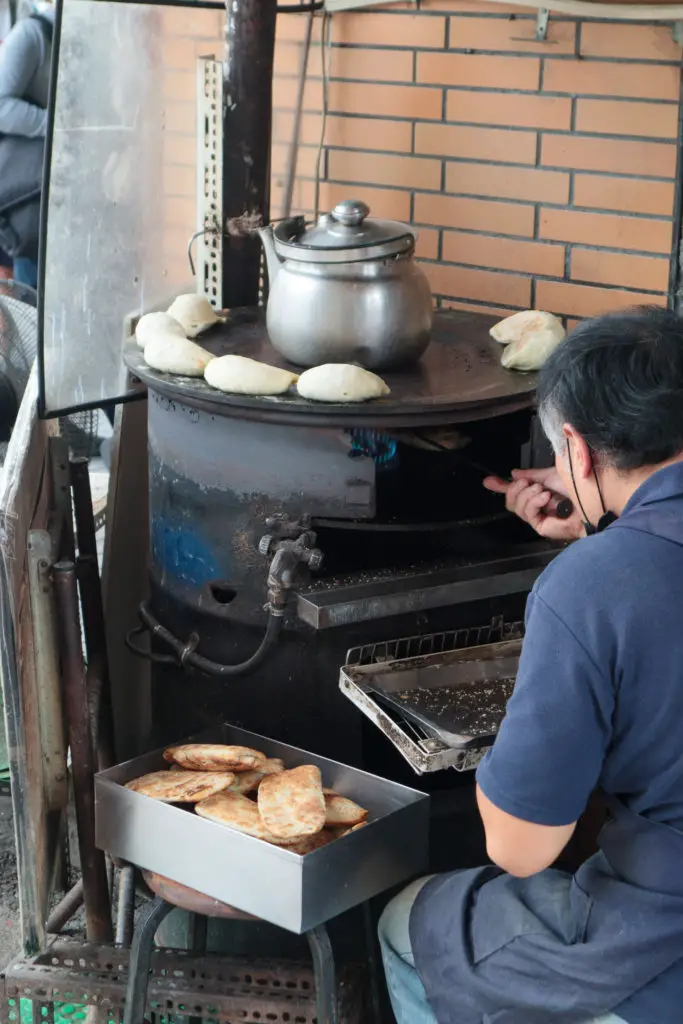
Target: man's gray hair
[(552, 421)]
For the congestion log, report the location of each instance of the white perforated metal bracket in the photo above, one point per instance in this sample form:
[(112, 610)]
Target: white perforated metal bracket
[(347, 5), (209, 259)]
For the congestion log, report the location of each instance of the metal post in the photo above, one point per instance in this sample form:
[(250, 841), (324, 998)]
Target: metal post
[(93, 870), (125, 911), (327, 1006), (247, 125), (92, 609), (141, 959)]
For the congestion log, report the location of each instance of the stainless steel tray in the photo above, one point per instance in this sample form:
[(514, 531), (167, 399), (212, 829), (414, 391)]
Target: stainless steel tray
[(452, 729), (296, 893)]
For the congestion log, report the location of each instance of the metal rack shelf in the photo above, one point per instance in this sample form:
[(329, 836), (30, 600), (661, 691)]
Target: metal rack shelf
[(424, 751)]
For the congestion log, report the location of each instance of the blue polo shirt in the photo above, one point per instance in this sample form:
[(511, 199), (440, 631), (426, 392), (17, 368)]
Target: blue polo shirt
[(599, 694)]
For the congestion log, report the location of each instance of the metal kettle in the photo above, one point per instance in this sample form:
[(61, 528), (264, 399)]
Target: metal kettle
[(346, 290)]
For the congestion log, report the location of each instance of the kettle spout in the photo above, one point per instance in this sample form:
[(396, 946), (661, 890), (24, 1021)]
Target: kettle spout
[(272, 258)]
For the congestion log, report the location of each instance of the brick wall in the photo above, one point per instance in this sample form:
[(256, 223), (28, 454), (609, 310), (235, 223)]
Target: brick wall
[(538, 174)]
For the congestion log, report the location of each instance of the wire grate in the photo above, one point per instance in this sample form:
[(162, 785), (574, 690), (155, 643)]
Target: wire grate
[(423, 750), (496, 631)]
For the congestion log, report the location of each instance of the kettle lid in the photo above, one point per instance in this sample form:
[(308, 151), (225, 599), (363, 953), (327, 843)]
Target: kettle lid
[(347, 227)]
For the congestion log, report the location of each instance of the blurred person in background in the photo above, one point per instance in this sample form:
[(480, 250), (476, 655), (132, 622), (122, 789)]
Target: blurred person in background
[(24, 83), (7, 19)]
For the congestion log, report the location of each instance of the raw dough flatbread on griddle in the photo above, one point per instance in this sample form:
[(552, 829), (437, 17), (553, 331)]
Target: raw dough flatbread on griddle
[(531, 351), (340, 382), (530, 337), (194, 312), (169, 353), (339, 810), (181, 787), (152, 324), (215, 757), (238, 375), (529, 321), (291, 803), (236, 811)]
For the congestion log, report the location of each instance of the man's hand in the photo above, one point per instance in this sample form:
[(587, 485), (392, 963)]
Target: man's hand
[(528, 496)]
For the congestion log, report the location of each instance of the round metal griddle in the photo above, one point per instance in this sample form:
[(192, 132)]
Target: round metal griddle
[(458, 379)]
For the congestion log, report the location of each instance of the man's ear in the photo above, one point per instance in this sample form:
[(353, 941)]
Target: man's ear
[(581, 455)]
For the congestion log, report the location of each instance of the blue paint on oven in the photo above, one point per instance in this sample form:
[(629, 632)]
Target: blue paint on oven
[(179, 552)]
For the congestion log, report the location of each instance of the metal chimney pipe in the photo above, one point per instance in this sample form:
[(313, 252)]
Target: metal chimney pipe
[(247, 128)]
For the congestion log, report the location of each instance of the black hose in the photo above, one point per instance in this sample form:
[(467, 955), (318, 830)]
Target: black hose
[(187, 656)]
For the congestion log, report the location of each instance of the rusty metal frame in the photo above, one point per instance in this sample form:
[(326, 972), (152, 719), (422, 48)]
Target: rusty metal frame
[(222, 989)]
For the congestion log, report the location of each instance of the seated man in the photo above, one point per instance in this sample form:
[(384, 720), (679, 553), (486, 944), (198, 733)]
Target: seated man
[(598, 705)]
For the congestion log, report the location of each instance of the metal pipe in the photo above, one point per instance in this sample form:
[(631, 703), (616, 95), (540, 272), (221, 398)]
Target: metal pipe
[(184, 651), (65, 909), (93, 869), (92, 610), (98, 683), (125, 908), (247, 124), (83, 511)]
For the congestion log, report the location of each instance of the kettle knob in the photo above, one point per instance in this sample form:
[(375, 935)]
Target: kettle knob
[(350, 212)]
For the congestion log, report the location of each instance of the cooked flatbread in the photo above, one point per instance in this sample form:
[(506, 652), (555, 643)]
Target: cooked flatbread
[(291, 803), (310, 843), (236, 811), (215, 757), (181, 787), (248, 782), (339, 833), (339, 810)]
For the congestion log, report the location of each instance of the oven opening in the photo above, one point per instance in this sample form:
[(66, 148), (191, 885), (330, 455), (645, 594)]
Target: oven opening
[(431, 505)]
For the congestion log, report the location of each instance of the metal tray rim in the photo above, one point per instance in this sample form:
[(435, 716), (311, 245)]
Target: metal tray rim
[(484, 652)]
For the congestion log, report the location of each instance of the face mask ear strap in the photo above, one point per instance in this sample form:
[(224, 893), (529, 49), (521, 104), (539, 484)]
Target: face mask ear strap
[(607, 518), (587, 525)]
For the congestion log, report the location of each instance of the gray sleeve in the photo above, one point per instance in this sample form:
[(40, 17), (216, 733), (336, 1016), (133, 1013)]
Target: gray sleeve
[(20, 57)]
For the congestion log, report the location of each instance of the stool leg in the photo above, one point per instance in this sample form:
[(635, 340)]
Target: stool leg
[(141, 959), (371, 949), (327, 1009)]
